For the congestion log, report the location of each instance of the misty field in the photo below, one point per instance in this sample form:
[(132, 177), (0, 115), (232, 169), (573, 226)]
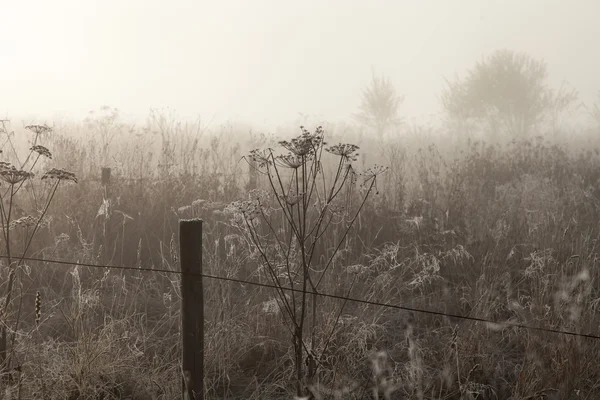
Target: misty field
[(504, 232)]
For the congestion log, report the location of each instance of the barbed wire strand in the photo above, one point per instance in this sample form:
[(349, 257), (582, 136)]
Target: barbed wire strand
[(328, 295)]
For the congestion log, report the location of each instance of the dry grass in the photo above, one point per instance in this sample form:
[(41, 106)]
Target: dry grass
[(505, 232)]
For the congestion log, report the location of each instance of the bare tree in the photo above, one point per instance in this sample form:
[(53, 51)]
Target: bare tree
[(379, 105), (105, 125), (563, 100), (595, 112), (507, 91)]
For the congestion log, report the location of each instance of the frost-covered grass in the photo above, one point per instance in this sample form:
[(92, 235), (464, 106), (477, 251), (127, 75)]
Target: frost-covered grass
[(502, 232)]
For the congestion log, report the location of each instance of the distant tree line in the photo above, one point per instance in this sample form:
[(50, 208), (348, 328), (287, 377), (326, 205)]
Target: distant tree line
[(504, 95)]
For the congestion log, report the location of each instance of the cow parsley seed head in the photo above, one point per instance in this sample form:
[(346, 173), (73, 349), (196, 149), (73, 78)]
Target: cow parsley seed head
[(13, 176), (262, 158), (292, 198), (39, 129), (41, 150), (374, 171), (60, 174), (344, 150), (289, 161), (24, 222), (306, 144)]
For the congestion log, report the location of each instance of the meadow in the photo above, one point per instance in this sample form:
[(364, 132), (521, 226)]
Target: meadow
[(501, 231)]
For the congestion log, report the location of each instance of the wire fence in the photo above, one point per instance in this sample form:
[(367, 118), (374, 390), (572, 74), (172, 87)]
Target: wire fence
[(124, 178), (490, 322)]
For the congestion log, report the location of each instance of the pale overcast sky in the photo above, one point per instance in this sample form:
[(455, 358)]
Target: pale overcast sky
[(267, 60)]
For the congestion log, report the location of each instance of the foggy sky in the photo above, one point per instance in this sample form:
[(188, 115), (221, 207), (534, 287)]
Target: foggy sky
[(265, 61)]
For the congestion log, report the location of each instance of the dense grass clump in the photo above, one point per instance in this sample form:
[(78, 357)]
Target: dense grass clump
[(504, 232)]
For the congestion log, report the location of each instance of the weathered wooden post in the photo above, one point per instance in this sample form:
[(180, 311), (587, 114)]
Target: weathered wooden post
[(105, 179), (252, 175), (192, 309)]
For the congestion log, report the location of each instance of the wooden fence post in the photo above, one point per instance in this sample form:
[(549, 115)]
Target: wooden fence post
[(252, 176), (192, 309), (105, 179)]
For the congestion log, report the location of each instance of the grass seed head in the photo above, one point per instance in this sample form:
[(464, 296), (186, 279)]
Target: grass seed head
[(38, 307)]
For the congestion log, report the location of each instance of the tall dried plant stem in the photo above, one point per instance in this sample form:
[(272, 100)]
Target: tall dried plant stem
[(6, 217)]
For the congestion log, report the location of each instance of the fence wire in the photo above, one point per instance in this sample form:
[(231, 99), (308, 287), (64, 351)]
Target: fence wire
[(490, 322)]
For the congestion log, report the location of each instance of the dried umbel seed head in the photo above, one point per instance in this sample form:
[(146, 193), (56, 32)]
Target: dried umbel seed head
[(292, 198), (5, 166), (60, 174), (24, 222), (41, 150), (262, 158), (305, 144), (12, 176), (39, 129), (344, 150), (289, 161), (249, 210), (63, 237), (374, 171)]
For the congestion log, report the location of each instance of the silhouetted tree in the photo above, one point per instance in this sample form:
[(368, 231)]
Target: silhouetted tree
[(379, 105), (508, 91), (595, 112), (104, 125), (564, 99)]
